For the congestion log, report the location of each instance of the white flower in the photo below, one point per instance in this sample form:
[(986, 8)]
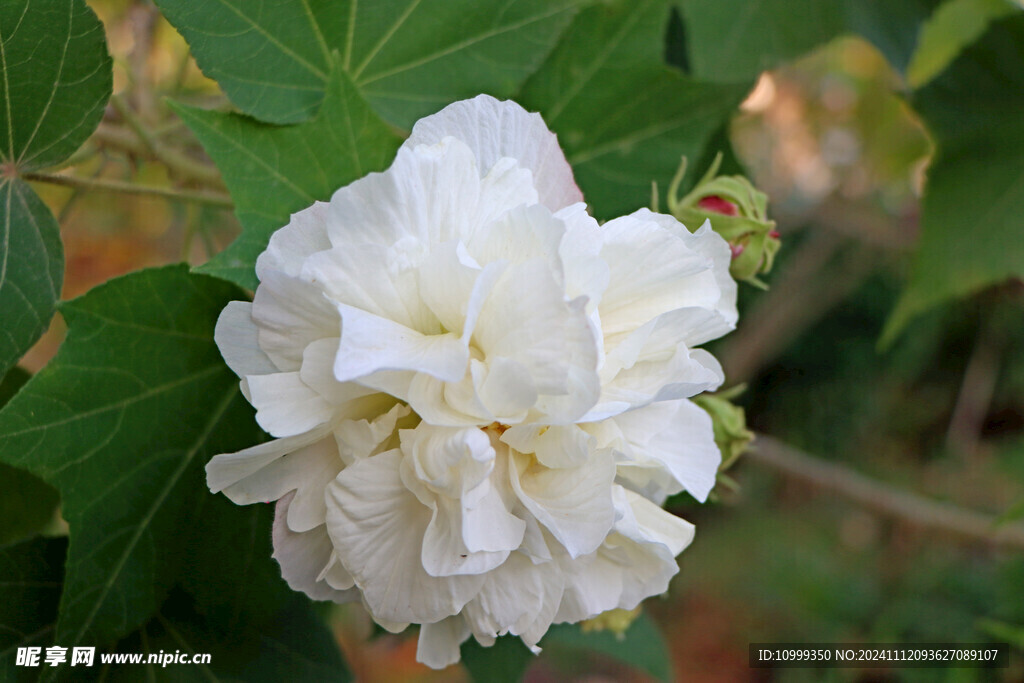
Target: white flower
[(478, 394)]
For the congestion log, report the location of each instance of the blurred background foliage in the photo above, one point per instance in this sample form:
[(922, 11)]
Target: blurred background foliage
[(940, 411)]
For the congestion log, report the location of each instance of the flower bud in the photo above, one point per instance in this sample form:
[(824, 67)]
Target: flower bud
[(729, 423), (616, 620), (738, 212)]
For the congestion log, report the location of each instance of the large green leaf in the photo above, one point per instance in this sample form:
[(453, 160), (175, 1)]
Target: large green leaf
[(55, 78), (640, 646), (232, 604), (409, 57), (504, 662), (273, 171), (31, 269), (121, 422), (30, 586), (622, 117), (954, 26), (27, 503), (971, 218), (734, 40)]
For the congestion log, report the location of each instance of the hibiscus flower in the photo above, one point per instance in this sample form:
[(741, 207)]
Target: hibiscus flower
[(478, 395)]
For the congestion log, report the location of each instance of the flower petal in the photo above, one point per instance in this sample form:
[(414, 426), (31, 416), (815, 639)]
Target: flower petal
[(518, 597), (305, 234), (227, 469), (558, 446), (377, 527), (432, 193), (574, 504), (304, 556), (663, 448), (444, 549), (285, 405), (237, 338), (370, 343), (438, 644), (586, 273), (520, 235), (290, 315), (495, 129), (317, 372), (635, 562), (653, 271), (376, 278), (447, 279), (527, 320), (307, 471), (709, 243)]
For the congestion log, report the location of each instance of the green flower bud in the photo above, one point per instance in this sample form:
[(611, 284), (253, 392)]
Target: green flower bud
[(738, 212), (616, 620), (729, 423)]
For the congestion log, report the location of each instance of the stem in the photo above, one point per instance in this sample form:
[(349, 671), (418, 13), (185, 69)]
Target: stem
[(208, 198), (976, 391), (148, 140), (885, 499), (179, 164)]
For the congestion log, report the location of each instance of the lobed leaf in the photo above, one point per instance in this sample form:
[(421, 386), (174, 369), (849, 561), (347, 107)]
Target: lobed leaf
[(55, 78), (408, 57), (641, 646), (27, 503), (121, 422), (735, 40), (30, 585), (274, 171), (31, 269), (970, 217), (622, 117)]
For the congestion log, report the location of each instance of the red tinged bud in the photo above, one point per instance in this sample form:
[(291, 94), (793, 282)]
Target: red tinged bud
[(716, 204)]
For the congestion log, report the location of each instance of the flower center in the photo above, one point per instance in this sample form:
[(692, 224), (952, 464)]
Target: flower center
[(495, 428)]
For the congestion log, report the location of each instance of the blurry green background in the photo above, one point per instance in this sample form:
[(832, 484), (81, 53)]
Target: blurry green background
[(940, 412)]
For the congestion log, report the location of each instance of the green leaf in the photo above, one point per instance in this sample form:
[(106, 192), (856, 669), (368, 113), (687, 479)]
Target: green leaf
[(1000, 630), (622, 117), (56, 80), (294, 646), (121, 422), (274, 171), (409, 57), (31, 269), (504, 662), (893, 26), (954, 26), (30, 586), (233, 604), (641, 646), (734, 40), (970, 217), (1013, 513), (27, 503)]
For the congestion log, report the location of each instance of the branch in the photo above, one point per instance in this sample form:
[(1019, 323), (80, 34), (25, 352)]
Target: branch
[(885, 499), (178, 163), (208, 198)]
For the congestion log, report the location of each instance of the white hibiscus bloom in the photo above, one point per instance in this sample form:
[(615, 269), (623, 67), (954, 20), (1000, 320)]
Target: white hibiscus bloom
[(478, 394)]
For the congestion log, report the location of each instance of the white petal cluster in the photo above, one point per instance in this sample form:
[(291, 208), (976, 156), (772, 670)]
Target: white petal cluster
[(478, 395)]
